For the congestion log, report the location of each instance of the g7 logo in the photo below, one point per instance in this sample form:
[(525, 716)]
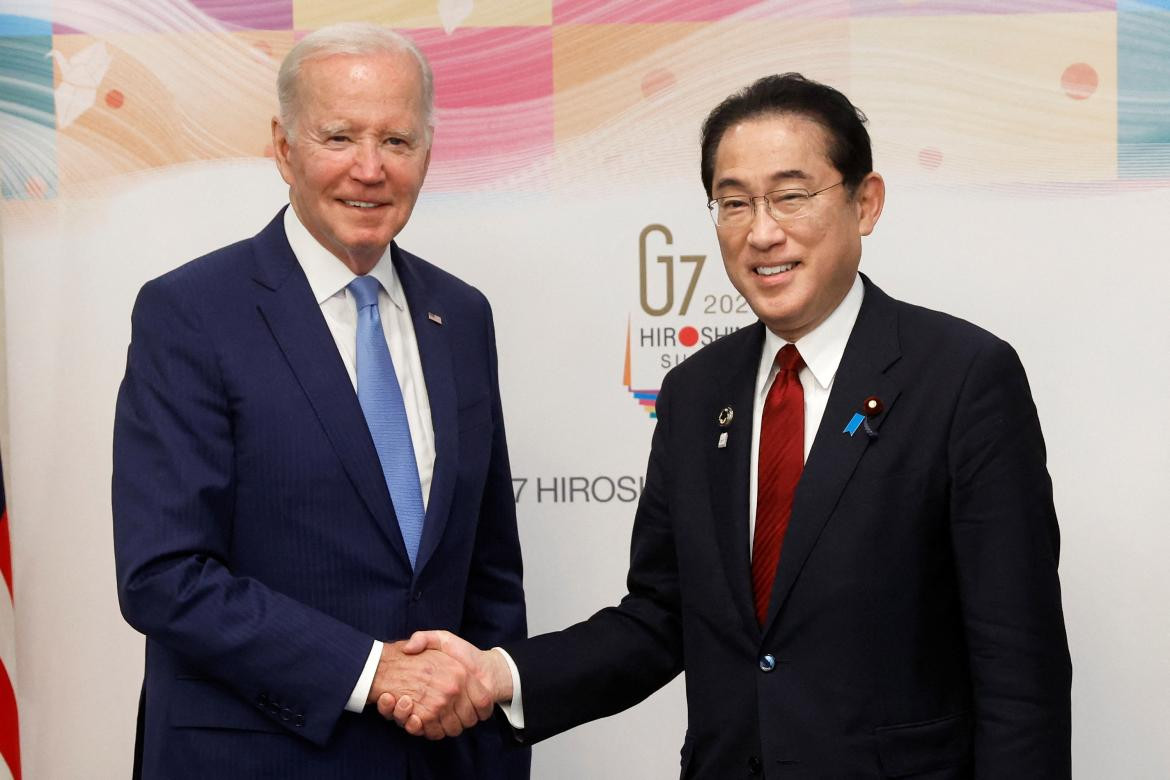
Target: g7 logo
[(668, 261)]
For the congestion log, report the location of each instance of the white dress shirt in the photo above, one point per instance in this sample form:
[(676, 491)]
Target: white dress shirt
[(329, 279), (822, 350)]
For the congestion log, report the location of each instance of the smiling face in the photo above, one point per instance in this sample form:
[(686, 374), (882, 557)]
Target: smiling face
[(793, 273), (358, 152)]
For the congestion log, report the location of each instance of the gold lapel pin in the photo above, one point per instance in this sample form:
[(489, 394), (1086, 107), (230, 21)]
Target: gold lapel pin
[(726, 415)]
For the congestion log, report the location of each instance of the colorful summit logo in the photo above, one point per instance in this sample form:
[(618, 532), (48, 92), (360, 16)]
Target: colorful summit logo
[(693, 309)]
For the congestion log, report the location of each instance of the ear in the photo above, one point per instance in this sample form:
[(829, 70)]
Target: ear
[(280, 151), (871, 196), (427, 160)]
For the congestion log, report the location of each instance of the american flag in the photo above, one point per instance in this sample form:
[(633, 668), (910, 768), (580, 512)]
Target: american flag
[(9, 727)]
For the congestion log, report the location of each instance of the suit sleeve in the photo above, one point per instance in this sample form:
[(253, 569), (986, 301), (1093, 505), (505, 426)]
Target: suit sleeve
[(622, 654), (1006, 546), (173, 495)]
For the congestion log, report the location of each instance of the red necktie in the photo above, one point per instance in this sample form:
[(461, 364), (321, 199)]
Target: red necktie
[(781, 461)]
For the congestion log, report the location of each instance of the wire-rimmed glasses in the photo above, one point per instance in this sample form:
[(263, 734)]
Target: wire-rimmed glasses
[(732, 211)]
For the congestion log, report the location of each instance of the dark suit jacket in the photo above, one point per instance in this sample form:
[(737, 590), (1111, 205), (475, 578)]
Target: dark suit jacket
[(256, 544), (915, 627)]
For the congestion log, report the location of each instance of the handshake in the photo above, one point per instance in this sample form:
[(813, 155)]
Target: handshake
[(436, 684)]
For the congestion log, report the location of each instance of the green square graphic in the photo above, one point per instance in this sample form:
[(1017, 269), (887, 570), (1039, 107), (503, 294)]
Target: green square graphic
[(28, 159), (1143, 94)]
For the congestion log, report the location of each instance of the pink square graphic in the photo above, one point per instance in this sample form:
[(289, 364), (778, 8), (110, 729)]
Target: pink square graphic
[(648, 11), (493, 91), (630, 11), (259, 15)]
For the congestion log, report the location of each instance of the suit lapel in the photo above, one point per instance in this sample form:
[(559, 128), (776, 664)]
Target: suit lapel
[(296, 322), (730, 466), (872, 348), (434, 349)]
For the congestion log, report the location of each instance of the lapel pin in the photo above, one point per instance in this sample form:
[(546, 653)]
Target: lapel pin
[(435, 318), (722, 443), (870, 407), (726, 415), (854, 423)]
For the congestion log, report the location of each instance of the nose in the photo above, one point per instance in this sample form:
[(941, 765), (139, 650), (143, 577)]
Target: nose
[(765, 232), (367, 163)]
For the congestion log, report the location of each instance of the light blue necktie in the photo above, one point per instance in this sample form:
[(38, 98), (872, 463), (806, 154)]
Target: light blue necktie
[(381, 400)]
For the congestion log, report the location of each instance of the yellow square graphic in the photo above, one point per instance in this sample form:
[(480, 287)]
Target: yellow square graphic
[(1014, 98), (448, 14), (682, 69), (163, 99)]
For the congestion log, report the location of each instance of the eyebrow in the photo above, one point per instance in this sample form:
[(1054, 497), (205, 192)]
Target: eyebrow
[(792, 173), (333, 128), (343, 128)]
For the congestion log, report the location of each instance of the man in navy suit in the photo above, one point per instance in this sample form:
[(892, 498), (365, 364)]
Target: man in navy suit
[(909, 623), (270, 542)]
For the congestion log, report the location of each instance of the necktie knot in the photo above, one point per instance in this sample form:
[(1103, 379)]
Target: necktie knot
[(365, 291), (789, 359)]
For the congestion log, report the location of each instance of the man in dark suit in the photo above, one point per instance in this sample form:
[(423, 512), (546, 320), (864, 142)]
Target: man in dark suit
[(847, 539), (310, 462)]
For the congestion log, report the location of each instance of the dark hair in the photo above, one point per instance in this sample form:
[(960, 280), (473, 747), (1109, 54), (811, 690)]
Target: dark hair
[(792, 93)]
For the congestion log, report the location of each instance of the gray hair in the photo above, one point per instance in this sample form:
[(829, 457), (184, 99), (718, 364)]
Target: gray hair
[(348, 38)]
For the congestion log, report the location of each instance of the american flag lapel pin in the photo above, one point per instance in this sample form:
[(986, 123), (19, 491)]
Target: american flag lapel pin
[(435, 318)]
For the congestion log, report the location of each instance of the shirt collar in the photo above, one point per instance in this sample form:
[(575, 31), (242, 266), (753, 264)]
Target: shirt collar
[(823, 347), (327, 275)]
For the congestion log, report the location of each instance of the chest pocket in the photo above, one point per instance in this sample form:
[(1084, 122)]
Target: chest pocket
[(476, 414)]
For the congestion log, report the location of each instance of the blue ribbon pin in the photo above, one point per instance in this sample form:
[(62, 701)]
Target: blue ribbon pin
[(854, 423)]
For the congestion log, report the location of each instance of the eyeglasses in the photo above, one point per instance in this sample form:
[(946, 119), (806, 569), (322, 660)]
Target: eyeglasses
[(783, 205)]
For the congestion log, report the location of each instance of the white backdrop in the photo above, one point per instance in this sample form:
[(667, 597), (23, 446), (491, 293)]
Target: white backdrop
[(1075, 277), (1078, 285)]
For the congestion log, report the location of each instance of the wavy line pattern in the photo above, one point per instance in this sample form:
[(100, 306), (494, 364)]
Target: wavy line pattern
[(1050, 95)]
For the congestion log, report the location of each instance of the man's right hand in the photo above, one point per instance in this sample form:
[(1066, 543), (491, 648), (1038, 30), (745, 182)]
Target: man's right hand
[(487, 668), (444, 696)]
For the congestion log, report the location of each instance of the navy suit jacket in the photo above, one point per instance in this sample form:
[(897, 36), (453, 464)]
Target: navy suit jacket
[(256, 543), (915, 626)]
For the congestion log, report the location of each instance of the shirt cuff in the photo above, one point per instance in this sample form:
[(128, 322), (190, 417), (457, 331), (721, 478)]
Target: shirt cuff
[(361, 691), (513, 710)]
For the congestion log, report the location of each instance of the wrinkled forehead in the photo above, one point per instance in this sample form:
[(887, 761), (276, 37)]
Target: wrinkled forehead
[(383, 91), (330, 74)]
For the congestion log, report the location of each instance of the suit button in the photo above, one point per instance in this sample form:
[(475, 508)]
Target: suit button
[(755, 766), (300, 720), (767, 663)]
